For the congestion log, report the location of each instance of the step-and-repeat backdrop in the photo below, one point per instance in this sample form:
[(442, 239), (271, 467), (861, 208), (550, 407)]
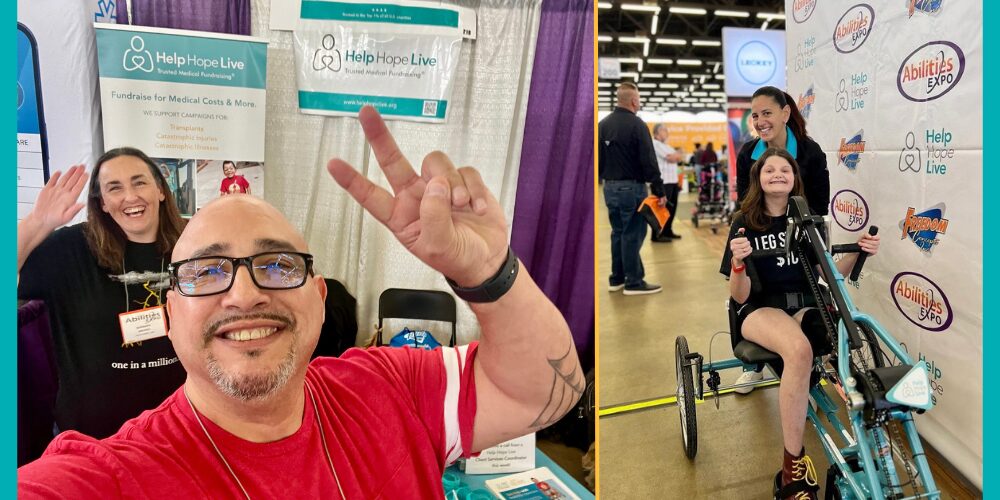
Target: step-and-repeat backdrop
[(893, 92)]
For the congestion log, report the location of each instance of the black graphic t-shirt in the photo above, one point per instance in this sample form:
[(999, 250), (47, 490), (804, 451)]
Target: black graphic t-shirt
[(102, 381), (776, 274)]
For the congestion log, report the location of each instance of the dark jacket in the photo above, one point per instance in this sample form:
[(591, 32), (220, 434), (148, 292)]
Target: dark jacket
[(625, 150), (812, 167)]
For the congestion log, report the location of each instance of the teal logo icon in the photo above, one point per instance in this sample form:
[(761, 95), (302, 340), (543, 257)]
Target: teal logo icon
[(328, 57), (137, 58)]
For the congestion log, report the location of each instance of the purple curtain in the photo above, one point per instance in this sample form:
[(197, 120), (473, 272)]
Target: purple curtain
[(217, 16), (553, 228)]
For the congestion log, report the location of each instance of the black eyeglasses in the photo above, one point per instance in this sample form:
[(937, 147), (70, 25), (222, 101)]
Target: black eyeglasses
[(215, 274)]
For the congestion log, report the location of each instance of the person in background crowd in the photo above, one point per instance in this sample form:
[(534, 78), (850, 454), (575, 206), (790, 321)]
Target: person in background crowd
[(97, 275), (627, 161), (667, 159)]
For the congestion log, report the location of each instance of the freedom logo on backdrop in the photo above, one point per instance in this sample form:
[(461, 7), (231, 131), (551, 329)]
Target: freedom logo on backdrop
[(849, 210), (805, 103), (921, 301), (756, 62), (930, 71), (931, 7), (853, 28), (849, 152), (938, 154), (853, 92), (802, 10), (805, 54), (923, 228)]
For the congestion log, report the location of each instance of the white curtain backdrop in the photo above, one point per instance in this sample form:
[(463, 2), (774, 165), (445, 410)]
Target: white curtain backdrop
[(484, 129)]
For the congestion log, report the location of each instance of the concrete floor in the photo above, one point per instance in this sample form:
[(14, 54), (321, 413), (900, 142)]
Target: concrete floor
[(640, 452)]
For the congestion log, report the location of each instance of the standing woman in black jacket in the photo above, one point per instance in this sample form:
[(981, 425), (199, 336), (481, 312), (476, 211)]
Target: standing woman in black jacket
[(779, 124)]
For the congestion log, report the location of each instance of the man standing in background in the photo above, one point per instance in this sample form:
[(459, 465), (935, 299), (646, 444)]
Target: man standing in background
[(667, 158), (626, 162)]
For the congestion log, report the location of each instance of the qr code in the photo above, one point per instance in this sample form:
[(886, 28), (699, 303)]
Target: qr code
[(430, 108)]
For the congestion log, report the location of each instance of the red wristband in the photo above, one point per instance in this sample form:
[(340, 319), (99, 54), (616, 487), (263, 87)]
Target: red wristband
[(739, 269)]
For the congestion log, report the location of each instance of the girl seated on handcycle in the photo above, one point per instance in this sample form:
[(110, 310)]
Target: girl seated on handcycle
[(773, 317)]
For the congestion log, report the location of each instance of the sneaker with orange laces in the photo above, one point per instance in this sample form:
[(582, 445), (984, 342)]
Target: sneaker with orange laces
[(797, 478)]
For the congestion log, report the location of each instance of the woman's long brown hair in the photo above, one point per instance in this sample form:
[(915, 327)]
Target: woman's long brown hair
[(106, 238), (753, 209)]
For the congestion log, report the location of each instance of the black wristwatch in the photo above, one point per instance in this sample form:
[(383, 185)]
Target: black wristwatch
[(492, 289)]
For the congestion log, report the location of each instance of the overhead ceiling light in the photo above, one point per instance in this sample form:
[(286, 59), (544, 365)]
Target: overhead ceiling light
[(764, 26), (671, 41), (770, 16), (682, 105), (659, 61), (640, 7), (680, 94), (722, 99), (664, 94), (654, 22), (700, 94), (607, 5), (630, 60), (732, 13), (713, 105), (604, 38), (652, 75), (603, 84), (706, 99), (716, 68), (688, 10), (647, 85), (706, 43), (677, 75), (669, 85), (633, 39), (717, 94), (628, 74), (720, 77), (710, 86), (655, 99), (645, 49), (688, 62), (690, 99)]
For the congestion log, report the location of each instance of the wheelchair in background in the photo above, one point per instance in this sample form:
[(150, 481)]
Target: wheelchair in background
[(878, 453)]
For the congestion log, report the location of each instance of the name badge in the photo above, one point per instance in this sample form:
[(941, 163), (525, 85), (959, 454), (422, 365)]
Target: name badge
[(144, 324)]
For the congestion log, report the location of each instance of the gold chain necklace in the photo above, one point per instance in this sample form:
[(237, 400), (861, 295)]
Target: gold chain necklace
[(322, 437)]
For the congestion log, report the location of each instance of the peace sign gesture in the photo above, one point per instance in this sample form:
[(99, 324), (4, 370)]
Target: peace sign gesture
[(445, 216)]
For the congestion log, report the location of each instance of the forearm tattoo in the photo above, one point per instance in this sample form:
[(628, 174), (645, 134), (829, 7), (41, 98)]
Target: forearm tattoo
[(568, 384)]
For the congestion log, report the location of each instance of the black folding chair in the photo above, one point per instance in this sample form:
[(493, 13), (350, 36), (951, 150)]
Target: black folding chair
[(404, 303)]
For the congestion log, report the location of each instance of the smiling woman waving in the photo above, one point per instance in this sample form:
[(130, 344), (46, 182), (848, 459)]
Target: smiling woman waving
[(103, 283)]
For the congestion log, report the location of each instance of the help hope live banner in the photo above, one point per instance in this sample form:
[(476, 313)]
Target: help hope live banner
[(893, 92), (190, 100), (399, 57)]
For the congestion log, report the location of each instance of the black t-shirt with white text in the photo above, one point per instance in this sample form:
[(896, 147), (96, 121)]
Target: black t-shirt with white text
[(103, 382), (776, 274)]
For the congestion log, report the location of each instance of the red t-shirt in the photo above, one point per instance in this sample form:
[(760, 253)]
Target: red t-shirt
[(236, 184), (394, 418)]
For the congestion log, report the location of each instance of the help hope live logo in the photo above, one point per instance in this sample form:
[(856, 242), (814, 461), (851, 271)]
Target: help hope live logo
[(934, 158)]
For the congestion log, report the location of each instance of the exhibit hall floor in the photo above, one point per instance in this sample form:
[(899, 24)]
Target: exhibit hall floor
[(739, 444)]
